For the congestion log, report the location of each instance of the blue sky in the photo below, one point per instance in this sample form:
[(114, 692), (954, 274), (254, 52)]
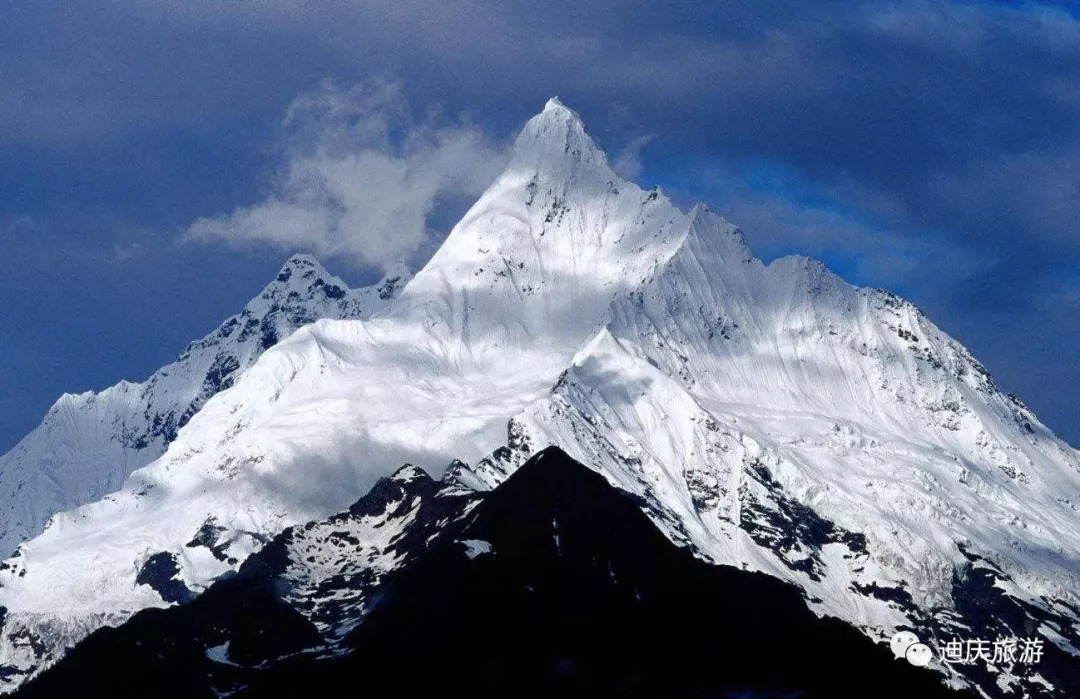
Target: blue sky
[(932, 148)]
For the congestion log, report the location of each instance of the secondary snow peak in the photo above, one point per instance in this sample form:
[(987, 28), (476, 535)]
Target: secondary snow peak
[(89, 443), (299, 273), (302, 259)]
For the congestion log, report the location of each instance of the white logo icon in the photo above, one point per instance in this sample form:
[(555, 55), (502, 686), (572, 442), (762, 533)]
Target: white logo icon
[(919, 654), (905, 644), (900, 643)]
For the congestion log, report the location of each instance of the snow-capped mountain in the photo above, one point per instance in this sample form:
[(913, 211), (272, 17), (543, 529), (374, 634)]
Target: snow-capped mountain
[(89, 443), (768, 416)]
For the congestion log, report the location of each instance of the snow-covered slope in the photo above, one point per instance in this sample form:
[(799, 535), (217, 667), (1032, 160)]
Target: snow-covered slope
[(553, 584), (770, 416), (88, 443)]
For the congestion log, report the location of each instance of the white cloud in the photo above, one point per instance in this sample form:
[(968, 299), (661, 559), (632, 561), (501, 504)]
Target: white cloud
[(627, 163), (360, 178)]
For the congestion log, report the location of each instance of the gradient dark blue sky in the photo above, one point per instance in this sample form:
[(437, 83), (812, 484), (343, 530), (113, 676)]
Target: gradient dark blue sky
[(930, 148)]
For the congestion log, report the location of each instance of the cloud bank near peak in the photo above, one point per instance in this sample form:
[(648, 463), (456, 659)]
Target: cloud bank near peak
[(360, 178)]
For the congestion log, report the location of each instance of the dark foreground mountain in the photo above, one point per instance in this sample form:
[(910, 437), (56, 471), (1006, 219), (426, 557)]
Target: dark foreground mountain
[(554, 584)]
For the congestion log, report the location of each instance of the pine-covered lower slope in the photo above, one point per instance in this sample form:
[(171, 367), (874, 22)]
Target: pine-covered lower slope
[(552, 584)]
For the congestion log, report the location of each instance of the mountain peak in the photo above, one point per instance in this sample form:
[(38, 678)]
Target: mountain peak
[(723, 235), (302, 259), (304, 275), (555, 140), (555, 105), (303, 263)]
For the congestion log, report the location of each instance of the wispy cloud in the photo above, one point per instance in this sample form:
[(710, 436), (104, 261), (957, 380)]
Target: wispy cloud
[(360, 178), (627, 162)]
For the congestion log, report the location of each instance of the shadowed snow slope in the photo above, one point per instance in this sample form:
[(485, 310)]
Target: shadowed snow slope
[(771, 417)]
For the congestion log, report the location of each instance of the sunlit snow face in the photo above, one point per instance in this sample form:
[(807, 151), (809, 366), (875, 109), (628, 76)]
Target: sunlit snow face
[(900, 643), (919, 654)]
